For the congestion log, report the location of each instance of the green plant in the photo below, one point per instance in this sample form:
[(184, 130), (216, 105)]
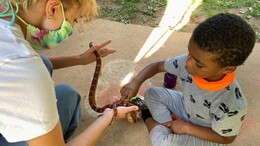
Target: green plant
[(149, 12), (212, 7), (248, 9), (127, 11)]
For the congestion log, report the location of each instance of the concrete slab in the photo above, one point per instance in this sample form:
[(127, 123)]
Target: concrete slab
[(128, 40)]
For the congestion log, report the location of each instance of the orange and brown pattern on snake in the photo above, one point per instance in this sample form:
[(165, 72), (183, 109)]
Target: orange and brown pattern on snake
[(132, 117)]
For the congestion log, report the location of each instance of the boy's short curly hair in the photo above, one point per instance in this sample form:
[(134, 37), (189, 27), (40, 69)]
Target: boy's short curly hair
[(229, 37)]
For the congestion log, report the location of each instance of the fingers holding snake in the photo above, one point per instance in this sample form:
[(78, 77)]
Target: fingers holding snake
[(129, 90), (122, 111), (132, 115), (103, 52)]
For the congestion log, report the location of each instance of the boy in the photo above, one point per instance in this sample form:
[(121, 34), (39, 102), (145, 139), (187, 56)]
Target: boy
[(212, 107), (34, 111)]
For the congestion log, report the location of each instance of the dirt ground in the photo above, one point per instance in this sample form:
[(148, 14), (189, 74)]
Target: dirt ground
[(154, 20), (110, 11)]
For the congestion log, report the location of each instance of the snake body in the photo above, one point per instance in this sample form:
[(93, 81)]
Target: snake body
[(132, 117)]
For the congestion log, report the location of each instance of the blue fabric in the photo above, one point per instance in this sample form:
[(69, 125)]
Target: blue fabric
[(69, 109)]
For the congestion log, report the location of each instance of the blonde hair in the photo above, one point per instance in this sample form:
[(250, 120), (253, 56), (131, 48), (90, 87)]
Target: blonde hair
[(88, 8)]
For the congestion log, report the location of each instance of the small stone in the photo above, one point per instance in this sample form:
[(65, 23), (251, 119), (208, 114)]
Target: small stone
[(241, 11), (248, 16)]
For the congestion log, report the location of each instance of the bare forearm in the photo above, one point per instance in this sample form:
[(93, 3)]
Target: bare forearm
[(81, 59), (91, 135), (208, 134), (59, 62), (149, 72)]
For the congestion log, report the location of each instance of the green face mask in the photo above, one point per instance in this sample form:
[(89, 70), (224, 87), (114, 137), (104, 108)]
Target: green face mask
[(46, 39)]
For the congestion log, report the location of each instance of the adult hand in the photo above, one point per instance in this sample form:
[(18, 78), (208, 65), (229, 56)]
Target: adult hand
[(121, 111), (129, 90), (89, 57)]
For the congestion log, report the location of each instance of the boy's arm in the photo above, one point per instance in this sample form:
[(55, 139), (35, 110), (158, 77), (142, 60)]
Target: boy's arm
[(131, 89), (182, 127), (209, 134), (149, 72)]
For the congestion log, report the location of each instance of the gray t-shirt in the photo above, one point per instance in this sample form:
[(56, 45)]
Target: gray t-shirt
[(222, 110)]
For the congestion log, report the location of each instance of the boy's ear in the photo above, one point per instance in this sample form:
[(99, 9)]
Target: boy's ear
[(51, 7), (229, 69)]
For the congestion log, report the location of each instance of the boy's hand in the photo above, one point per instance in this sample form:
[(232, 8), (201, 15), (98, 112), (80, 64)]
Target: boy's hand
[(179, 126), (129, 90), (89, 57)]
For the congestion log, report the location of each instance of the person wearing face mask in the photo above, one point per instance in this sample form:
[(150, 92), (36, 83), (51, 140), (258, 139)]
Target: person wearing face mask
[(46, 39), (33, 110)]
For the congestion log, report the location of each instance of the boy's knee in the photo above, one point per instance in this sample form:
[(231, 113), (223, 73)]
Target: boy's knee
[(151, 93), (161, 136)]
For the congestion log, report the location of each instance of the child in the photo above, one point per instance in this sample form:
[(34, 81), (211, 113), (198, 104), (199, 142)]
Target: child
[(211, 108), (33, 110)]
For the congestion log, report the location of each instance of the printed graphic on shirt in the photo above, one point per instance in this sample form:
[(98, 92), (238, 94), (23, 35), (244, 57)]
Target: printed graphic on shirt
[(192, 99), (207, 103), (225, 131), (199, 116), (188, 115), (242, 118), (230, 114), (175, 63), (189, 79), (223, 107), (228, 88), (216, 118), (237, 92)]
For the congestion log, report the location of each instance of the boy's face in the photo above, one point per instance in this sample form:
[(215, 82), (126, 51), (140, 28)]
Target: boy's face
[(200, 64)]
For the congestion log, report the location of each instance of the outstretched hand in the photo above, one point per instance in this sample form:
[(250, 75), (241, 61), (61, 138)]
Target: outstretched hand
[(121, 111), (89, 57)]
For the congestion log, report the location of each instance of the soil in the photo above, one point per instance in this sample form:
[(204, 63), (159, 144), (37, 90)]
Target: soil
[(154, 20), (112, 12)]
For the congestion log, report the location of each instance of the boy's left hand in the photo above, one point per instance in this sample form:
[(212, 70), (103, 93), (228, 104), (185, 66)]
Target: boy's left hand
[(89, 57), (179, 126)]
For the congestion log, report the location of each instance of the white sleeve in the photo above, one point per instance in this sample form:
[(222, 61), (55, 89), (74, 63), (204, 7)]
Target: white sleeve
[(28, 103)]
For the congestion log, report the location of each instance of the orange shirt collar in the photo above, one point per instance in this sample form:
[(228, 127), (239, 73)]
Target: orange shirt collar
[(214, 86)]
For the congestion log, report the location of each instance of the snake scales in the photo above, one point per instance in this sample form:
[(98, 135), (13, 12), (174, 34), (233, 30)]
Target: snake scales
[(132, 117)]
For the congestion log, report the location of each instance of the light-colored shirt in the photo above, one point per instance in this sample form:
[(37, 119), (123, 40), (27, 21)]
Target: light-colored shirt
[(28, 104)]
